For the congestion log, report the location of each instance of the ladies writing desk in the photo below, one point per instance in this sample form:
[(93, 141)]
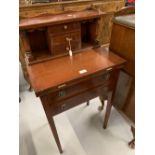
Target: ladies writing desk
[(62, 81)]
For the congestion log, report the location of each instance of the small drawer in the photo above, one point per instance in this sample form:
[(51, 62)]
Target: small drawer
[(68, 27), (59, 44)]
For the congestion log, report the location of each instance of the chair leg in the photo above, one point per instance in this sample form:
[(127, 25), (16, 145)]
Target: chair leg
[(87, 103), (30, 88), (108, 110), (132, 142)]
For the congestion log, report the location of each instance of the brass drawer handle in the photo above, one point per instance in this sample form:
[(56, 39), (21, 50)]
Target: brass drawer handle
[(61, 86), (65, 27), (107, 76), (62, 93)]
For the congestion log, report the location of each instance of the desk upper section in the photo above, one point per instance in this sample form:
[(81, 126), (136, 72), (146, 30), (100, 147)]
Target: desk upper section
[(48, 20), (50, 74)]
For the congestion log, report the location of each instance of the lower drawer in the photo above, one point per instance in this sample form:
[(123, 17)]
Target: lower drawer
[(59, 44), (64, 48)]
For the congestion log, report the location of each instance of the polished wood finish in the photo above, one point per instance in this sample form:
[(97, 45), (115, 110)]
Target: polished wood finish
[(42, 80), (64, 28), (60, 85), (54, 35)]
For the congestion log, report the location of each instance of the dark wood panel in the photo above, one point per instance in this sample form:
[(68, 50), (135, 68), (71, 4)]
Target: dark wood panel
[(63, 28), (123, 43)]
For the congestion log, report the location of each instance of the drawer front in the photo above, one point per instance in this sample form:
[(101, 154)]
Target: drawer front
[(85, 85), (60, 44), (78, 99), (64, 28)]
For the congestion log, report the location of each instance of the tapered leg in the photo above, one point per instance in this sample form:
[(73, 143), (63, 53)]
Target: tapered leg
[(108, 110), (132, 142), (87, 103), (55, 134)]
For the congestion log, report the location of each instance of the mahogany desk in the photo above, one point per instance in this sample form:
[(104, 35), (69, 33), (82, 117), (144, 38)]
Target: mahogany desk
[(61, 86)]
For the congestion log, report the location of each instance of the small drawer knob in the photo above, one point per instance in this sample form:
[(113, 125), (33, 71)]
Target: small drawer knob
[(65, 27)]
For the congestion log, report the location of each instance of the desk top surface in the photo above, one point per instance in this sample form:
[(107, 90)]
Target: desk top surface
[(50, 74)]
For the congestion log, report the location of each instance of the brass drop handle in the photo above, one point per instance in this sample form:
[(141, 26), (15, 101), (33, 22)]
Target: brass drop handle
[(62, 93), (65, 27), (70, 48)]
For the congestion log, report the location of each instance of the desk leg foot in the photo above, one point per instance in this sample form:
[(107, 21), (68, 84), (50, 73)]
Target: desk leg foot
[(100, 108), (108, 110), (55, 134), (87, 103), (132, 142)]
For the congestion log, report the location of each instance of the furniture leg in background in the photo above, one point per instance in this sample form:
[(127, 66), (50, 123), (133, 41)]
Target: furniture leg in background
[(132, 142)]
